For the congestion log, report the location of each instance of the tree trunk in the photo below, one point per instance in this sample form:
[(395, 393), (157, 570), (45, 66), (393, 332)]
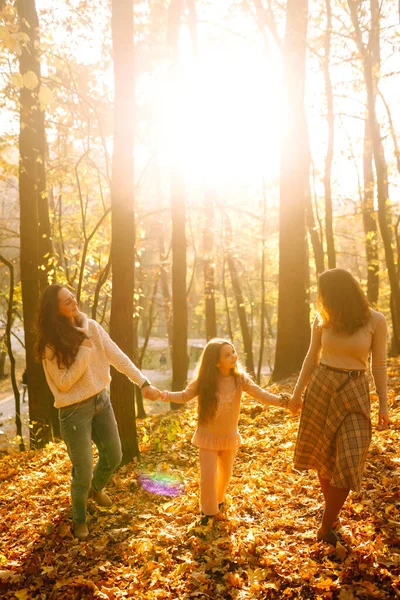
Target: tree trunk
[(46, 251), (330, 243), (139, 404), (262, 277), (225, 292), (31, 150), (384, 219), (293, 333), (369, 222), (166, 294), (316, 243), (17, 398), (3, 355), (100, 282), (395, 348), (123, 221), (209, 267), (180, 359), (237, 290)]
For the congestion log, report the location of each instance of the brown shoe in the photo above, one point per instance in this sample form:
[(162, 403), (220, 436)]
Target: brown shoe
[(100, 497), (80, 530)]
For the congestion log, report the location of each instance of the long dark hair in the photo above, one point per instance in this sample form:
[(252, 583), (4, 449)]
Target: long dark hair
[(341, 303), (55, 330), (207, 374)]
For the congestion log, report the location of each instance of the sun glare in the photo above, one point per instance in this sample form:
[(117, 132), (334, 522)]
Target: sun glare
[(221, 120)]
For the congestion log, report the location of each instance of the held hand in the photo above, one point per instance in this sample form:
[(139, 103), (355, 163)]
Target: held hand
[(151, 393), (87, 343), (295, 405), (383, 422), (164, 396)]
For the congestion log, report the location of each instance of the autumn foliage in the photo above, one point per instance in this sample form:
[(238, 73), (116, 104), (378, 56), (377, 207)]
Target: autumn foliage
[(152, 546)]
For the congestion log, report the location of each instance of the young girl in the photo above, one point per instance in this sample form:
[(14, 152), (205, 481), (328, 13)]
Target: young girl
[(219, 385)]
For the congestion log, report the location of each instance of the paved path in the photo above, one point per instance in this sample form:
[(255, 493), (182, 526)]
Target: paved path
[(7, 407)]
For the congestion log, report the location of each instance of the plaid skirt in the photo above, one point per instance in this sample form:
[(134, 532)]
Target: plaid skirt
[(335, 428)]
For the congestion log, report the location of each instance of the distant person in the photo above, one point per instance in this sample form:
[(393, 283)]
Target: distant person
[(24, 382), (77, 354), (335, 426), (163, 361), (219, 384)]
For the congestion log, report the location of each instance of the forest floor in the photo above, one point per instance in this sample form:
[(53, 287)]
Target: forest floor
[(151, 545)]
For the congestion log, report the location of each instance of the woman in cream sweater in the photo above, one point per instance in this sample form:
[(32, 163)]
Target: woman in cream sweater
[(77, 354)]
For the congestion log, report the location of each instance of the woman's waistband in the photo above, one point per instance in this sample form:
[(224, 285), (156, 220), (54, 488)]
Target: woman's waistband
[(349, 373)]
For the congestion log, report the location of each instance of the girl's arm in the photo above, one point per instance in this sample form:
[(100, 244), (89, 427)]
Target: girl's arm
[(379, 367), (119, 360), (310, 362), (256, 391), (181, 397), (64, 378)]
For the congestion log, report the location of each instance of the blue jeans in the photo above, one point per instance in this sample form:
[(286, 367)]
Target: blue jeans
[(80, 423)]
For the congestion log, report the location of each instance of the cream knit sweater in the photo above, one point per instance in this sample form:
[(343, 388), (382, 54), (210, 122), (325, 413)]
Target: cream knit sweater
[(89, 374)]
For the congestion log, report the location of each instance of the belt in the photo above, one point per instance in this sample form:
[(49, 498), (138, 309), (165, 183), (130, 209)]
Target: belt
[(350, 374)]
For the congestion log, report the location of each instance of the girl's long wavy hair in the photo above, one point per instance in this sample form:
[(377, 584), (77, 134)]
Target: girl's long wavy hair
[(341, 303), (55, 330), (207, 374)]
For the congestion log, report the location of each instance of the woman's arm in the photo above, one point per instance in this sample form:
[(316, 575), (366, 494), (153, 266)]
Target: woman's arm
[(379, 367), (64, 378), (256, 391), (310, 362), (119, 360), (181, 397)]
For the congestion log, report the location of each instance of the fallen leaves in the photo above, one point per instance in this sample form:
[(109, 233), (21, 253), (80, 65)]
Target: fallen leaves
[(152, 546)]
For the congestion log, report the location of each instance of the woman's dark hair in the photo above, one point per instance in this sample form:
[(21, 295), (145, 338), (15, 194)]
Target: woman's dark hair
[(55, 330), (341, 303), (207, 374)]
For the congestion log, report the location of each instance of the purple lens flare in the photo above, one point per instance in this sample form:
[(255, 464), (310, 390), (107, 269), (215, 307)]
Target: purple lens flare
[(162, 483)]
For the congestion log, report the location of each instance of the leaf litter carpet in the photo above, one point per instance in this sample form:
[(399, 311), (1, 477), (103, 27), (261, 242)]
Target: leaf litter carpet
[(150, 544)]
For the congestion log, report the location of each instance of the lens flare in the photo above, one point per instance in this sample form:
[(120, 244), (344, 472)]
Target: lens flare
[(162, 483)]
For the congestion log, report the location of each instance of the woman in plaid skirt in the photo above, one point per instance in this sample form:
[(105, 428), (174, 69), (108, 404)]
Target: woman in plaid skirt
[(335, 425)]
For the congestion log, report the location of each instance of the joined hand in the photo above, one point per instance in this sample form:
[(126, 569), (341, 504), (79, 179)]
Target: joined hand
[(151, 393), (294, 405)]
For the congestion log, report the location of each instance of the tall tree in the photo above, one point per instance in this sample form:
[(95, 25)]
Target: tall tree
[(330, 243), (123, 220), (384, 218), (209, 266), (293, 307), (237, 290), (33, 220), (316, 242), (180, 359), (369, 220), (11, 356), (266, 22), (165, 290), (262, 308)]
